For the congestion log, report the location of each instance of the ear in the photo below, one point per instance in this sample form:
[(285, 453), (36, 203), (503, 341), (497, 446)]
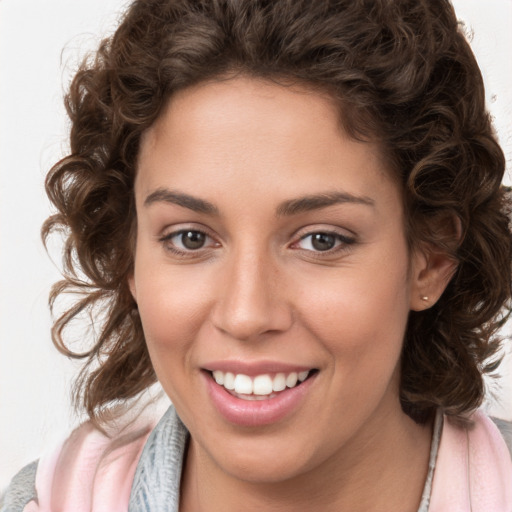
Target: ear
[(431, 271)]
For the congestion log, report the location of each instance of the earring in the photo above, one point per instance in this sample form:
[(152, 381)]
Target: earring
[(424, 298)]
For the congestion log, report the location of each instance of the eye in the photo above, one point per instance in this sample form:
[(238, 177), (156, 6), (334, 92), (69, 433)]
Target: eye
[(186, 240), (191, 240), (323, 241)]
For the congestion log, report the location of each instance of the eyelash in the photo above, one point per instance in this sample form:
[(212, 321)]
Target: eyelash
[(343, 242), (166, 240)]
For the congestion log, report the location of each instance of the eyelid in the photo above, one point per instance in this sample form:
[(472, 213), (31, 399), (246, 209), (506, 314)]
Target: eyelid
[(173, 231), (327, 229), (346, 240)]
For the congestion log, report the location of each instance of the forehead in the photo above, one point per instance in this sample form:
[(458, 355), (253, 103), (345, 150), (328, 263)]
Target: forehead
[(259, 134), (245, 103)]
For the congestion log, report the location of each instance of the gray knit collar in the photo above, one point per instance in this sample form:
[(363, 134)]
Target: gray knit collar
[(156, 485)]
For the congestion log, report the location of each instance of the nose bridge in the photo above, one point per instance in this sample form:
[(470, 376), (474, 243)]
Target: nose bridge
[(248, 301)]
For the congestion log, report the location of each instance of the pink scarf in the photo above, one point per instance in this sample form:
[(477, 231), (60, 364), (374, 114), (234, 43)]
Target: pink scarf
[(93, 473), (473, 470)]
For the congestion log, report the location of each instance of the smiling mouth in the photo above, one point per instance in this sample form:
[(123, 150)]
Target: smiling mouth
[(259, 387)]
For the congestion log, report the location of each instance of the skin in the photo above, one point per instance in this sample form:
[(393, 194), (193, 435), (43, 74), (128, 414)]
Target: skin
[(258, 290)]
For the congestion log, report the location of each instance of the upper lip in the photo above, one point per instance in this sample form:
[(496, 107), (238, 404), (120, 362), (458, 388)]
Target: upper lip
[(254, 368)]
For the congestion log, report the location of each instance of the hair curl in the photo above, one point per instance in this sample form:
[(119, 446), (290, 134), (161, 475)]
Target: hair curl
[(402, 73)]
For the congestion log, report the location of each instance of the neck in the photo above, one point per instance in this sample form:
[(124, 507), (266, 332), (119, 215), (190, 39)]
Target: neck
[(369, 474)]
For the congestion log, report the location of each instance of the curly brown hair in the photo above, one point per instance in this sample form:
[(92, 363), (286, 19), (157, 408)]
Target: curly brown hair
[(402, 73)]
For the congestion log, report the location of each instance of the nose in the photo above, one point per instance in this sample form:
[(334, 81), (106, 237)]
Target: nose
[(251, 300)]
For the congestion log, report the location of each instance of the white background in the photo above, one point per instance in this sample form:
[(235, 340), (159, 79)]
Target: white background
[(34, 70)]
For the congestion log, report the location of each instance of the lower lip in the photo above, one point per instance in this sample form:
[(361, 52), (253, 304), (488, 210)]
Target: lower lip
[(256, 413)]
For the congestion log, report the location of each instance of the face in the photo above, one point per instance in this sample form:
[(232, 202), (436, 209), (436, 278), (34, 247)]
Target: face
[(272, 277)]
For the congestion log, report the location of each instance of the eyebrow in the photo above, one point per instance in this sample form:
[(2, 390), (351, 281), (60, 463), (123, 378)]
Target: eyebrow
[(287, 208), (318, 201), (181, 199)]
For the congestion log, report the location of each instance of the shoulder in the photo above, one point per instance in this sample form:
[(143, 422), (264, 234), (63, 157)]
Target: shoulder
[(21, 491), (505, 428), (93, 468), (473, 468), (87, 470)]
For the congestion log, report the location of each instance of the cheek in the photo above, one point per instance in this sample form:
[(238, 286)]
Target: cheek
[(172, 304), (171, 310), (360, 315)]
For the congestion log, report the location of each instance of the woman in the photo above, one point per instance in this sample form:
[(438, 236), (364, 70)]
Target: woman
[(290, 215)]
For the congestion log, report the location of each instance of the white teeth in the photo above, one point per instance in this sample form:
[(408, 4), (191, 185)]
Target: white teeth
[(259, 386), (229, 381), (302, 376), (279, 382), (262, 385), (243, 384), (219, 377), (291, 380), (254, 398)]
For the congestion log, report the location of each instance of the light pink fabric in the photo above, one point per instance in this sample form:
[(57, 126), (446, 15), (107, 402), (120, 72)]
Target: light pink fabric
[(90, 472), (473, 470), (94, 473)]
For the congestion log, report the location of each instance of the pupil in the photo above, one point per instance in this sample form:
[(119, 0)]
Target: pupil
[(193, 239), (323, 241)]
